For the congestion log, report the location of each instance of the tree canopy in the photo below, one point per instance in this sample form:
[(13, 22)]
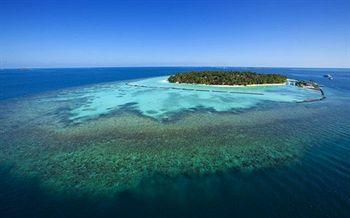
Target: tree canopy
[(226, 78)]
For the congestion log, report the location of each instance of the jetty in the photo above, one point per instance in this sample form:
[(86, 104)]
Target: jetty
[(323, 96)]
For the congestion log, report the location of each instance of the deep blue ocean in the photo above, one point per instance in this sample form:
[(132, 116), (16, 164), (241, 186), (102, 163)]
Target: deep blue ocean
[(318, 185)]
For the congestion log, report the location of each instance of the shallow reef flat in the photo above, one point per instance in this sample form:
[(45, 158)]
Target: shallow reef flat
[(116, 145), (159, 99)]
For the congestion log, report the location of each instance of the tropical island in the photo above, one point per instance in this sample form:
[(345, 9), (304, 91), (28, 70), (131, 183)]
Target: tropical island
[(229, 78)]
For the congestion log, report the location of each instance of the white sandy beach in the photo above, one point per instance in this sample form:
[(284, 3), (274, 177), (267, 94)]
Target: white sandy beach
[(231, 86)]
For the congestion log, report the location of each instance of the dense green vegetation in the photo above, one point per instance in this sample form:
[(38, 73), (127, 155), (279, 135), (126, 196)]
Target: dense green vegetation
[(226, 78)]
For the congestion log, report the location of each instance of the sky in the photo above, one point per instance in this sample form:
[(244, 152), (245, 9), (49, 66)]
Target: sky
[(250, 33)]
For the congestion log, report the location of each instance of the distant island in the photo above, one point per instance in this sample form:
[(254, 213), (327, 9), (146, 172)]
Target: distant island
[(230, 78)]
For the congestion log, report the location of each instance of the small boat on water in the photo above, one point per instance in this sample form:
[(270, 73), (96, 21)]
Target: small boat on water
[(329, 76)]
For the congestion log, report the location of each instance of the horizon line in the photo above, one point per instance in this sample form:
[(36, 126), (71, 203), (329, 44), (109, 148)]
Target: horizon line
[(168, 66)]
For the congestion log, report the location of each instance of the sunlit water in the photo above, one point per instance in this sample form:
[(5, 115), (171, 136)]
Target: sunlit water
[(127, 145)]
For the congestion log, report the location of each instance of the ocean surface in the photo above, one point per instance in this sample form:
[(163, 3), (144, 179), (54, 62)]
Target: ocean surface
[(122, 142)]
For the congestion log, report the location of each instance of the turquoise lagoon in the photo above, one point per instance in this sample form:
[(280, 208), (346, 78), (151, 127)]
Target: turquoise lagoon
[(159, 99), (133, 147)]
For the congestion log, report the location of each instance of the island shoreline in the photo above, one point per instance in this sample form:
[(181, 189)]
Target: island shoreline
[(235, 86), (228, 86)]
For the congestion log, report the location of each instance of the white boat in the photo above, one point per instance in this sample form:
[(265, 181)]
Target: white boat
[(329, 76)]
